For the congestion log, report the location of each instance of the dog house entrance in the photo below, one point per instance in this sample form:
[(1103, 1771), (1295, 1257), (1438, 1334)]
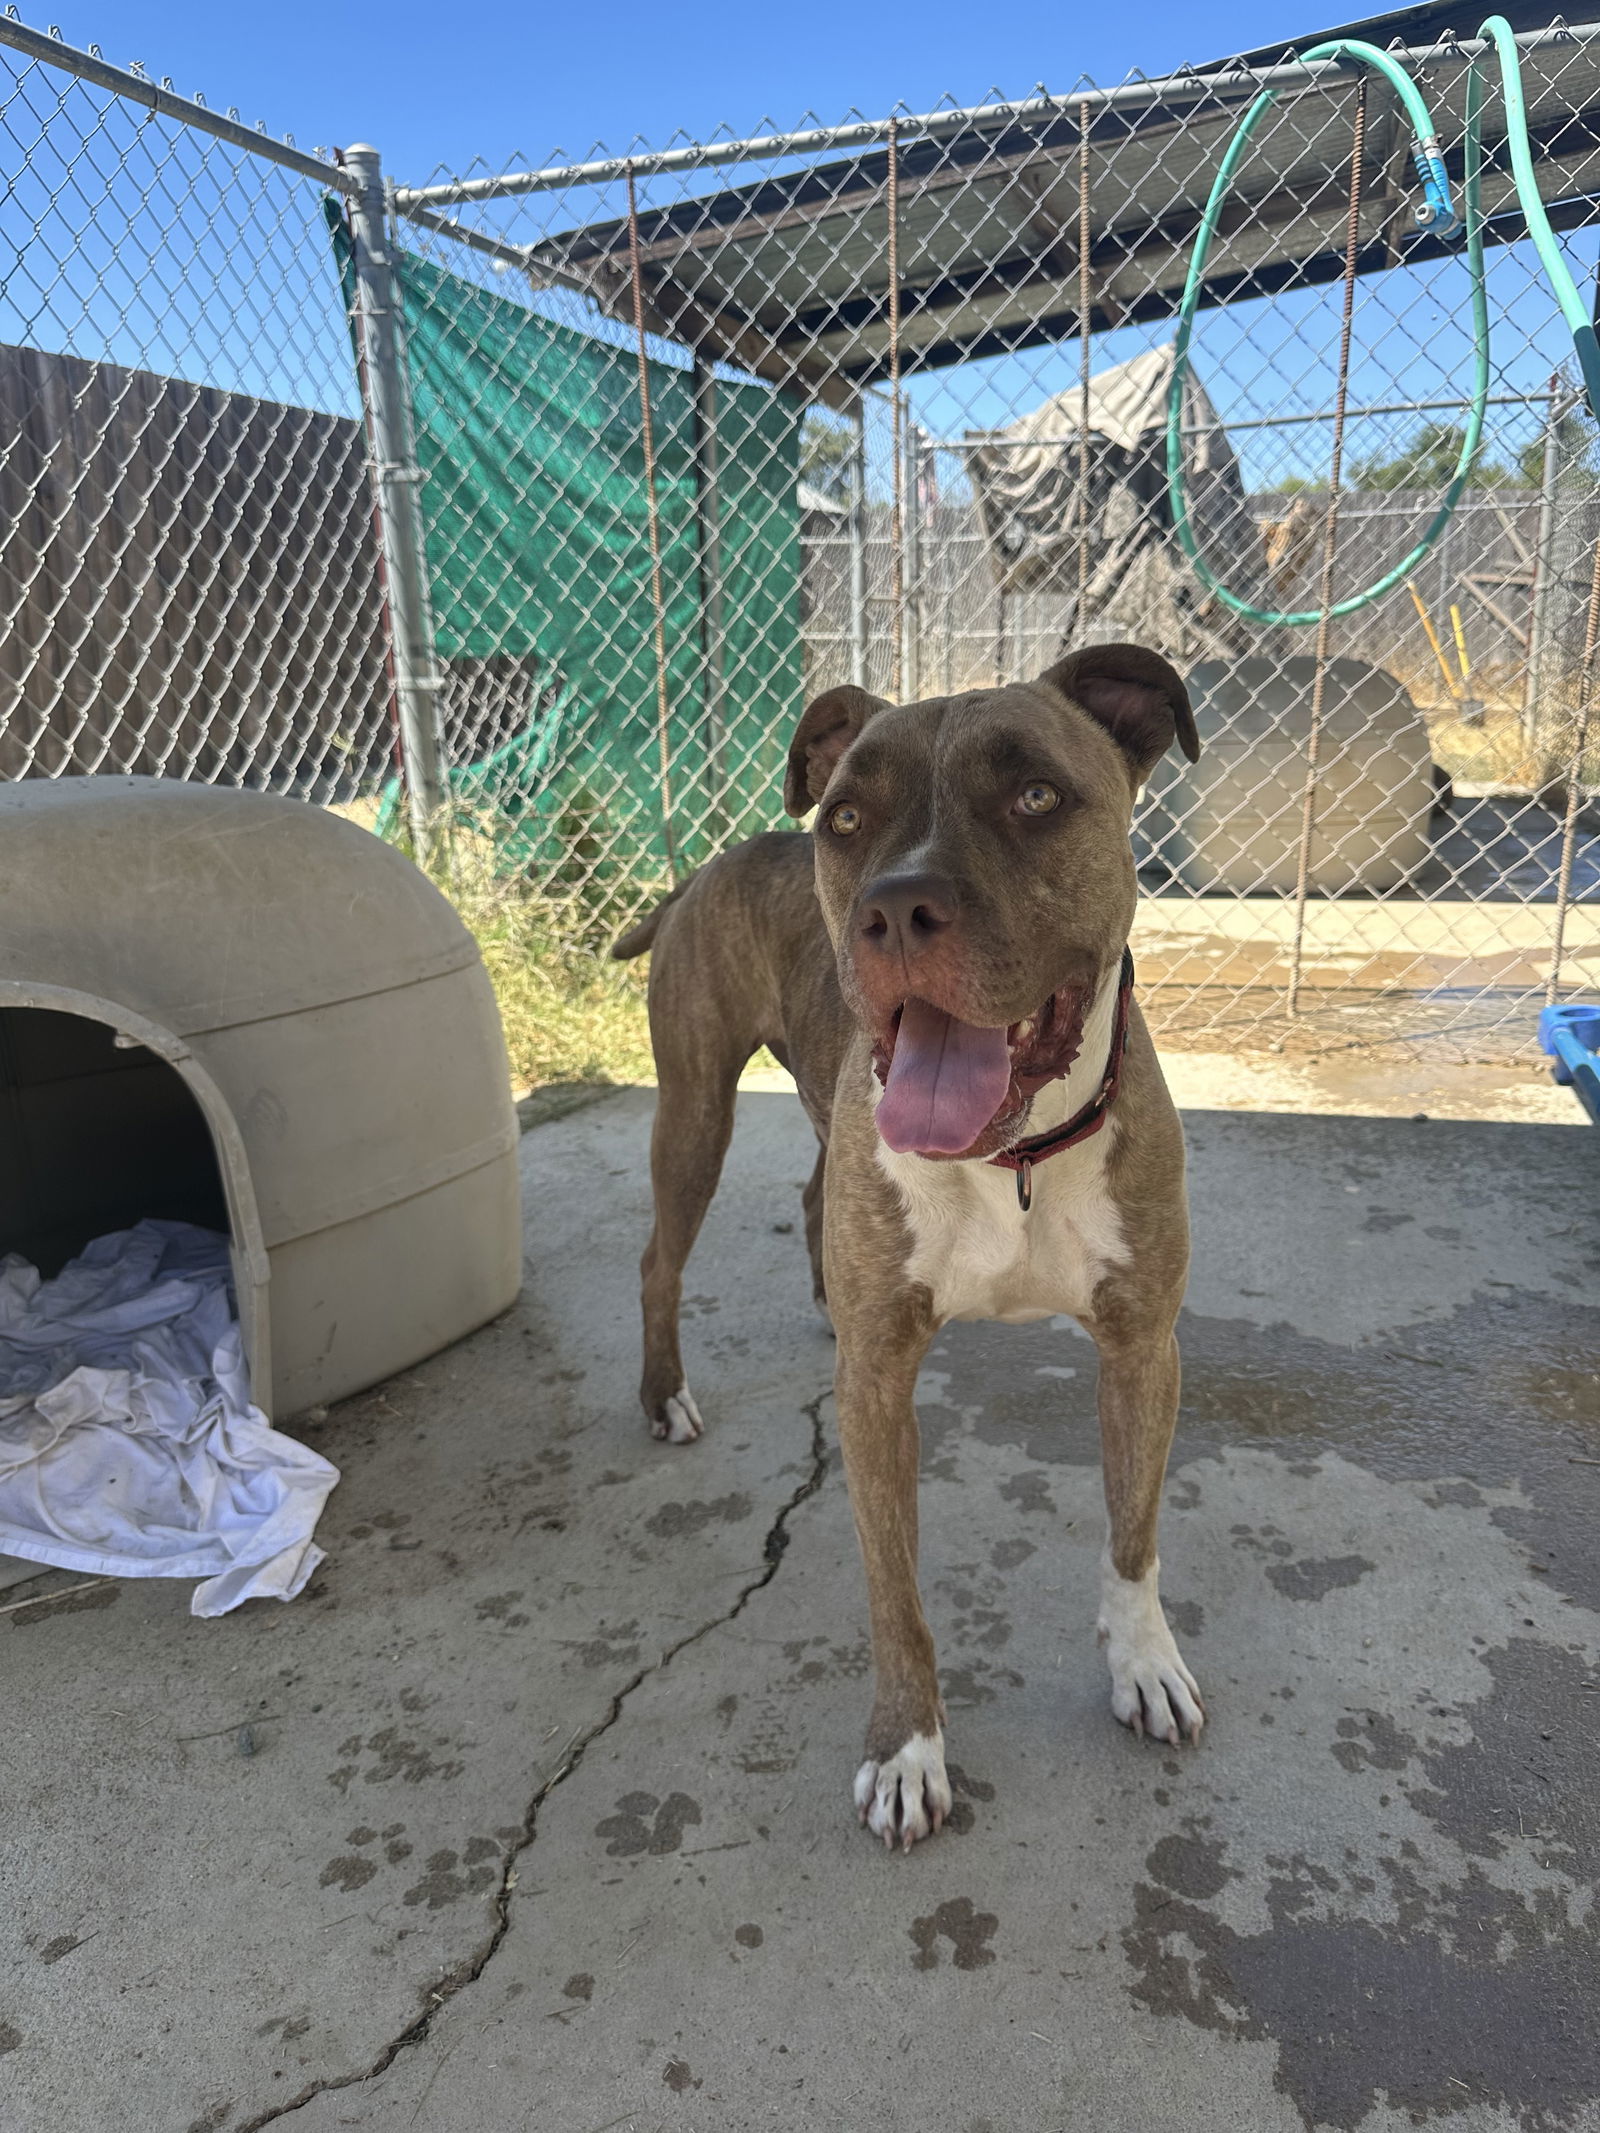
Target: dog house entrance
[(94, 1137)]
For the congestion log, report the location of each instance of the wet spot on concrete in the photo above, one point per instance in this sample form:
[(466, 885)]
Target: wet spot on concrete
[(1187, 1617), (748, 1936), (10, 2038), (968, 1931), (214, 2117), (63, 1944), (1381, 1220), (580, 1986), (443, 1885), (1441, 2022), (674, 1520), (1029, 1491), (1007, 1554), (1523, 1773), (66, 1603), (480, 1848), (1372, 1742), (1456, 1492), (361, 1835), (1465, 1991), (1502, 1390), (497, 1606), (348, 1873), (642, 1823), (679, 2076), (1318, 1575)]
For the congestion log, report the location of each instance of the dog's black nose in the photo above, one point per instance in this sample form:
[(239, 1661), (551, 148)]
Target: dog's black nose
[(904, 912)]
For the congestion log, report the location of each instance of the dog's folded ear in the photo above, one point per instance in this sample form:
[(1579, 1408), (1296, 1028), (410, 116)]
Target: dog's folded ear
[(1135, 695), (827, 727)]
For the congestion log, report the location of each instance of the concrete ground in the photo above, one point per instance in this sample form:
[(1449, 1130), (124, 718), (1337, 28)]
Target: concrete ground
[(533, 1812)]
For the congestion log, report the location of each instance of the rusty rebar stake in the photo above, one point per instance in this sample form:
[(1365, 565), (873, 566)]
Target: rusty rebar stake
[(897, 528), (1330, 549), (1085, 340)]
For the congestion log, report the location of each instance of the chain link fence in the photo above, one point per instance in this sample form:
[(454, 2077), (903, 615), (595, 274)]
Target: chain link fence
[(515, 513)]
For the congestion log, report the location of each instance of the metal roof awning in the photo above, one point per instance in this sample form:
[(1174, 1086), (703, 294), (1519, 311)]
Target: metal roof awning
[(787, 276)]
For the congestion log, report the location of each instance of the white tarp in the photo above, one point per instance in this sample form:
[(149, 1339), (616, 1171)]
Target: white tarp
[(128, 1441), (1027, 480)]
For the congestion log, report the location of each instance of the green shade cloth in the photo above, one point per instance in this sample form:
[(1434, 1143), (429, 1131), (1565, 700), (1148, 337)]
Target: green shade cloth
[(536, 523)]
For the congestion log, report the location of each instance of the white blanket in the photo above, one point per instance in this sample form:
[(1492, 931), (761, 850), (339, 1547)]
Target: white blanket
[(128, 1441)]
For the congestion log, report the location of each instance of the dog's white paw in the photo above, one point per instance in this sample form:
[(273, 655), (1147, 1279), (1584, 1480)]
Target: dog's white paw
[(1151, 1689), (909, 1796), (680, 1422)]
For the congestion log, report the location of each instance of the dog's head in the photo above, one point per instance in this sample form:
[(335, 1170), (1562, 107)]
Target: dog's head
[(974, 871)]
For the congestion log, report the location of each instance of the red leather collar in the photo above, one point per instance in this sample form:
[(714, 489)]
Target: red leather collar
[(1022, 1155)]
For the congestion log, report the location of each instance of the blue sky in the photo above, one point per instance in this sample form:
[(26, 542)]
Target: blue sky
[(438, 87), (435, 84)]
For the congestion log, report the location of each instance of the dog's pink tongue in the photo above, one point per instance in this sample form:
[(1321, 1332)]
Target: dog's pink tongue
[(946, 1082)]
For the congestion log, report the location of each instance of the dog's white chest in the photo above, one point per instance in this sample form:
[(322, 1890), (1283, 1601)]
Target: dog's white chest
[(981, 1256)]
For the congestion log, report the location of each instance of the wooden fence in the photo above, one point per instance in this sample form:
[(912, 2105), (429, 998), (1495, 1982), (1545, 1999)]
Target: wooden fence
[(188, 584)]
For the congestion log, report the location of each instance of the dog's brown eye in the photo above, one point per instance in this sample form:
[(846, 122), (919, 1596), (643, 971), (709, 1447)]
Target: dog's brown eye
[(1038, 798), (845, 820)]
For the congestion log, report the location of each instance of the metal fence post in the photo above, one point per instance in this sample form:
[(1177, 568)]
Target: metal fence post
[(858, 546), (713, 628), (395, 490)]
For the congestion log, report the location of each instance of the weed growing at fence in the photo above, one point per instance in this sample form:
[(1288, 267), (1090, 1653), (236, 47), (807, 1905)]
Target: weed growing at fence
[(569, 1014)]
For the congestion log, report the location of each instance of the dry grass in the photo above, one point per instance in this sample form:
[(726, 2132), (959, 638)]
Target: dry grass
[(569, 1014)]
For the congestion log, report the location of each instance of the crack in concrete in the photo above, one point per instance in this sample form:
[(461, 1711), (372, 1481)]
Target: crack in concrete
[(469, 1971)]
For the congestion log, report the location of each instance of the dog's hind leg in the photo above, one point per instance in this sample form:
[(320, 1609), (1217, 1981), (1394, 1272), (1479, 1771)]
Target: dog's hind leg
[(811, 1201), (698, 1066)]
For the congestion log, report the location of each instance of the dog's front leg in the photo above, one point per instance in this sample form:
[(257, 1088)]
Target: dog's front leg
[(1151, 1688), (901, 1790)]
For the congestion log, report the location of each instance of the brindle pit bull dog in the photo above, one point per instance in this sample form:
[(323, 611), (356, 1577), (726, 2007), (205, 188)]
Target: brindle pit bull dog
[(954, 992)]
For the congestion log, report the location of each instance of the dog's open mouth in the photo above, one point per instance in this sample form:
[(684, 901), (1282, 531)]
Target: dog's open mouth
[(947, 1083)]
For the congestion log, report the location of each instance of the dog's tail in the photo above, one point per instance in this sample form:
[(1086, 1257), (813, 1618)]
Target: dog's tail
[(642, 936)]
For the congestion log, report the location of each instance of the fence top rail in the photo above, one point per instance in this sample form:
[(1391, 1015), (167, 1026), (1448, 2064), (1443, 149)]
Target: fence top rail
[(163, 101), (1067, 438), (1188, 86)]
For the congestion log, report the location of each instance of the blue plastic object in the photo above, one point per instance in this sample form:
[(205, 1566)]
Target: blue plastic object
[(1571, 1035)]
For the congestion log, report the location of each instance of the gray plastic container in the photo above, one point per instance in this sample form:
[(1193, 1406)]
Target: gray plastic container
[(1231, 822), (330, 1020)]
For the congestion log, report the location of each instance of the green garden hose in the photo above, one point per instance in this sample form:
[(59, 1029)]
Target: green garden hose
[(1437, 215)]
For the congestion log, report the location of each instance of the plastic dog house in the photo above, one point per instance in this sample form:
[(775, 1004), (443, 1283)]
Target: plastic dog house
[(1232, 821), (240, 1010)]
